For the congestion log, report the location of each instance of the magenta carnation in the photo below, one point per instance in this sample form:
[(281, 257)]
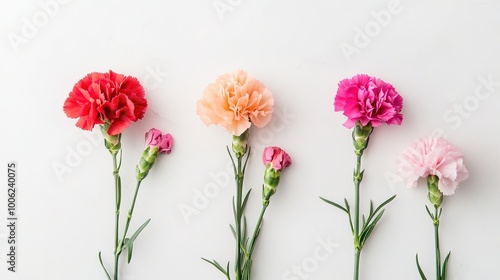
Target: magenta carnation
[(433, 156), (368, 100), (154, 138), (277, 157)]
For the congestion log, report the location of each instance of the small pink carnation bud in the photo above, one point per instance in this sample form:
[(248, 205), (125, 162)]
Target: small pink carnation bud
[(156, 143), (275, 160), (278, 157), (155, 138)]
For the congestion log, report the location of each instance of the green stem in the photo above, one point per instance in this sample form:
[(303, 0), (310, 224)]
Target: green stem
[(357, 182), (253, 241), (357, 254), (256, 231), (116, 175), (436, 240), (239, 214), (129, 216), (357, 242)]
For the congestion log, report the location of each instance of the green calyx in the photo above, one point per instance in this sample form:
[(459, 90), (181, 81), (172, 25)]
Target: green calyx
[(239, 144), (361, 136), (435, 195), (111, 142), (146, 163), (271, 181)]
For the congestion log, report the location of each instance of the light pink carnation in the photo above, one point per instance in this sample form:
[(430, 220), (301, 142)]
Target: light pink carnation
[(368, 100), (433, 156), (236, 101)]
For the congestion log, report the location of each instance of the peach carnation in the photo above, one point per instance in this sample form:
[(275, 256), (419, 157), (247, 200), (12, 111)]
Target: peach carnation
[(236, 101)]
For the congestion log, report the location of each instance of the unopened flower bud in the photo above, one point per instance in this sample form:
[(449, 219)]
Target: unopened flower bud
[(156, 143), (275, 160)]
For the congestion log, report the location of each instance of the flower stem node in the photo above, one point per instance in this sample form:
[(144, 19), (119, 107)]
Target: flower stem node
[(239, 144), (435, 195)]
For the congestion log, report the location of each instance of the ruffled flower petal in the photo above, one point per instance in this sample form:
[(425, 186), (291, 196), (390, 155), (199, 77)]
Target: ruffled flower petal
[(433, 156), (236, 101), (368, 100)]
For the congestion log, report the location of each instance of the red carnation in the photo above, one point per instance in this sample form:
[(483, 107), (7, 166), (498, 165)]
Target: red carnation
[(106, 98)]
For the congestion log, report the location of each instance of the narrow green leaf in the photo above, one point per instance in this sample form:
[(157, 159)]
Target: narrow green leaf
[(365, 233), (371, 207), (129, 251), (244, 229), (138, 231), (350, 223), (429, 212), (120, 160), (232, 160), (218, 266), (128, 243), (370, 217), (384, 203), (363, 236), (347, 205), (234, 211), (445, 264), (102, 265), (420, 269), (246, 160), (334, 204), (244, 203), (233, 231)]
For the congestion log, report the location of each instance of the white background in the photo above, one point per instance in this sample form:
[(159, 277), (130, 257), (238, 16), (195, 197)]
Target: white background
[(439, 55)]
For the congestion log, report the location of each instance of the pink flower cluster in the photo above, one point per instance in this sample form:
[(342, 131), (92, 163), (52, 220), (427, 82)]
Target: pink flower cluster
[(368, 100), (433, 156)]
